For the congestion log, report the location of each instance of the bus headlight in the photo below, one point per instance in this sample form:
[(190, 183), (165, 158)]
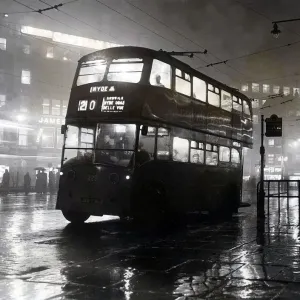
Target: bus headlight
[(127, 177)]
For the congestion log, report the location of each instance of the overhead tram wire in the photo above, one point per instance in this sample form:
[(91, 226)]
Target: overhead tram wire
[(81, 21), (185, 37)]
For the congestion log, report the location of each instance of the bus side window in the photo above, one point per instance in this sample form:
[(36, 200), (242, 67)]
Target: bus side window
[(197, 153), (226, 101), (72, 136), (213, 95), (147, 142), (180, 149), (235, 156), (199, 89), (224, 154), (237, 104), (163, 144), (211, 155), (183, 83), (160, 74)]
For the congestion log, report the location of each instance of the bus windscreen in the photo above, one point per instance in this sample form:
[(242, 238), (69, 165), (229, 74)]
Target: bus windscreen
[(91, 71)]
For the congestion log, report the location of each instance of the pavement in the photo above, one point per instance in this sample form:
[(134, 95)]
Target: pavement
[(43, 257)]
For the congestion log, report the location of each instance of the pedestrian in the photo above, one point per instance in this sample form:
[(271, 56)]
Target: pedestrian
[(5, 181), (51, 182), (27, 183), (44, 182), (38, 183)]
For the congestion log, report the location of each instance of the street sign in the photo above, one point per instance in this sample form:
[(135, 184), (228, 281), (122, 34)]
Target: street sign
[(274, 126)]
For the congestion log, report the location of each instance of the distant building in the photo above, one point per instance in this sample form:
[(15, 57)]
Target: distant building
[(282, 158), (36, 73)]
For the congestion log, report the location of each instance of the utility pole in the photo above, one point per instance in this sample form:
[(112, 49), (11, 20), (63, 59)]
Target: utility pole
[(261, 196)]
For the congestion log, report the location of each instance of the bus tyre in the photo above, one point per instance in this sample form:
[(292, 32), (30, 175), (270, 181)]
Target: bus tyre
[(75, 217)]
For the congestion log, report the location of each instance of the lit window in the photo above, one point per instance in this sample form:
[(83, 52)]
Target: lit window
[(199, 89), (23, 134), (226, 100), (197, 156), (182, 83), (160, 74), (224, 154), (125, 72), (2, 44), (64, 108), (50, 52), (26, 77), (245, 87), (2, 100), (286, 90), (48, 138), (59, 138), (255, 87), (55, 111), (26, 49), (255, 119), (255, 103), (46, 106), (235, 156), (180, 149), (276, 89), (91, 71), (271, 142), (266, 88)]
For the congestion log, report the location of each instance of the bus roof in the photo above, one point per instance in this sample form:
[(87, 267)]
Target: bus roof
[(132, 51)]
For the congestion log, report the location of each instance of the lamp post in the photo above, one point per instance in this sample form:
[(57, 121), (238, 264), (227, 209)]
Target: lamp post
[(276, 31)]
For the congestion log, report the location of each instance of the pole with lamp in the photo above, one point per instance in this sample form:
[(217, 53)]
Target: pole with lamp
[(276, 31)]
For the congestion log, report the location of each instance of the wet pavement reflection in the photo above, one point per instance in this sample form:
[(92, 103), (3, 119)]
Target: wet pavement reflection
[(44, 257)]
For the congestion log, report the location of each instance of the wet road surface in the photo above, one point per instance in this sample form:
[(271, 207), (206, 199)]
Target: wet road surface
[(42, 257)]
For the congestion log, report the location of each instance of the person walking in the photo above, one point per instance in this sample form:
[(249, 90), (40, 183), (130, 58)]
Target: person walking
[(51, 182), (5, 181), (38, 183), (27, 183), (44, 182)]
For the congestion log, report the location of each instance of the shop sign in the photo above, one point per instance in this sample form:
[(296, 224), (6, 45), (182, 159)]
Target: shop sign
[(51, 121)]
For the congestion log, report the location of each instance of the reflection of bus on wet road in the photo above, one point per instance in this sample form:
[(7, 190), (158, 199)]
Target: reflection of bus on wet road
[(147, 136)]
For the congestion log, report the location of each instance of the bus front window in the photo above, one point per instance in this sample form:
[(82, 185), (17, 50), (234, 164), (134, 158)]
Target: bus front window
[(79, 144), (115, 144), (91, 71)]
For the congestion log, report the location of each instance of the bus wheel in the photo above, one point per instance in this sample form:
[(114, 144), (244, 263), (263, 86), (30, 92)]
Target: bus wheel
[(75, 217)]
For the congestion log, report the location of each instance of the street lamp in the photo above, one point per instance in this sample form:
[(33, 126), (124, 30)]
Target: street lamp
[(276, 31)]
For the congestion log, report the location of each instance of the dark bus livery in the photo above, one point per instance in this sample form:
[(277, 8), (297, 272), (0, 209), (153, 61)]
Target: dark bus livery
[(148, 136)]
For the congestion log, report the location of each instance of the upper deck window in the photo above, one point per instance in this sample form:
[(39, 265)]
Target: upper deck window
[(213, 95), (183, 83), (160, 74), (237, 104), (226, 100), (125, 70), (246, 108), (199, 89), (91, 71)]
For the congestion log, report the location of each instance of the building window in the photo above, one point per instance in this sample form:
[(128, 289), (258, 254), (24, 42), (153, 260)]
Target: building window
[(255, 103), (50, 52), (271, 142), (245, 87), (55, 111), (286, 90), (26, 49), (297, 113), (296, 92), (255, 87), (276, 89), (26, 77), (48, 138), (271, 158), (2, 100), (266, 88), (64, 107), (46, 106), (2, 44), (255, 119), (23, 137)]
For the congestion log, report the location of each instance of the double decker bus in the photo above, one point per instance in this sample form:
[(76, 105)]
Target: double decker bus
[(146, 136)]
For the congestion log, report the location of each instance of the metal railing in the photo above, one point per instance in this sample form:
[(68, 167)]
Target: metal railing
[(281, 189)]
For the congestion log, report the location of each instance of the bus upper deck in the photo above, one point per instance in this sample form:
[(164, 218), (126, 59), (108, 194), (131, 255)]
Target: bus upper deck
[(137, 84)]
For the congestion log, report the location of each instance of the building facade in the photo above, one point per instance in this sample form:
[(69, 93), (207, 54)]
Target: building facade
[(37, 67), (282, 157)]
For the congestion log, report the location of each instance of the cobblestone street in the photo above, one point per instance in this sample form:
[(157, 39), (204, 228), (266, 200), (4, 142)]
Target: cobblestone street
[(42, 257)]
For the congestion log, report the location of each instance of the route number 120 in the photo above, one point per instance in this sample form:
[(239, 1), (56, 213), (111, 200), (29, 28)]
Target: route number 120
[(85, 105)]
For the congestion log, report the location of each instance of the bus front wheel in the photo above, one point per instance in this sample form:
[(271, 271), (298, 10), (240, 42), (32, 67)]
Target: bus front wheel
[(75, 217)]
